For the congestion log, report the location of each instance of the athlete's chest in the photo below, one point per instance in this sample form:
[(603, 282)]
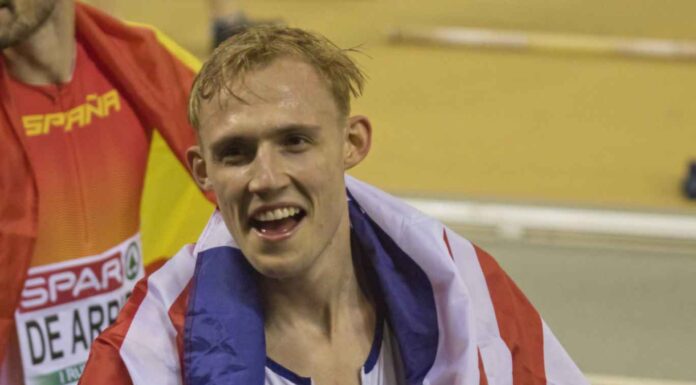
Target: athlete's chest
[(88, 152), (81, 118), (380, 368)]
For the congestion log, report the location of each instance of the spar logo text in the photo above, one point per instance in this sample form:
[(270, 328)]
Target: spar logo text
[(60, 286)]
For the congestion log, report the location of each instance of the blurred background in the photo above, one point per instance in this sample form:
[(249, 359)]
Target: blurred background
[(567, 166)]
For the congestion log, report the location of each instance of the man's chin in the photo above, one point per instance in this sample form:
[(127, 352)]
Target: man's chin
[(10, 34), (6, 42), (277, 267), (14, 28), (8, 37)]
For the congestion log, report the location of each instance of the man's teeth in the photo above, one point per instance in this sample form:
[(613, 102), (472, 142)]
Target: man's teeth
[(277, 214)]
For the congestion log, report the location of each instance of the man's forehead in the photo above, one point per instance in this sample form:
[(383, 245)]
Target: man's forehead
[(284, 86), (282, 77)]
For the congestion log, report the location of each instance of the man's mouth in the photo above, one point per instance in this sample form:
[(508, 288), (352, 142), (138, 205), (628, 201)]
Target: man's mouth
[(277, 223)]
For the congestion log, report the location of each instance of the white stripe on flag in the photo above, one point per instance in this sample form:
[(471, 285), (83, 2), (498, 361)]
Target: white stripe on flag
[(495, 354), (149, 348), (559, 367)]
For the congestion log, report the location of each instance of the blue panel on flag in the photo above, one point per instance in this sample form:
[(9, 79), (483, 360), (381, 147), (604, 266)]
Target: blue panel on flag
[(224, 337), (407, 293)]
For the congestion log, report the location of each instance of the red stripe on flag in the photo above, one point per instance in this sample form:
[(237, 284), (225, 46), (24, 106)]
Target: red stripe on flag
[(519, 323), (177, 314), (155, 265), (104, 365), (483, 380), (449, 249)]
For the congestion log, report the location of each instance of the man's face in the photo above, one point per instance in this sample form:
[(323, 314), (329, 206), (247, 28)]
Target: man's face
[(276, 162), (21, 18)]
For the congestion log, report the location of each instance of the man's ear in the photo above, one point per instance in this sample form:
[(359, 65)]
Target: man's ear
[(196, 163), (358, 139)]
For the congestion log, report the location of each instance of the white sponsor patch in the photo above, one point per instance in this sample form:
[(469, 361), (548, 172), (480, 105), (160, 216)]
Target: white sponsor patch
[(64, 306)]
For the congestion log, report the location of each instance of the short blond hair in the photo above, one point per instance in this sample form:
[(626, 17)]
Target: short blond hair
[(259, 46)]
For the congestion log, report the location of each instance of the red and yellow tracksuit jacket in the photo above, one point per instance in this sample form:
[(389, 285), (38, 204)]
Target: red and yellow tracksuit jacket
[(72, 170)]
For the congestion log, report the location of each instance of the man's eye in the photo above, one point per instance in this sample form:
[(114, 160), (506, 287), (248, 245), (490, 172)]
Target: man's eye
[(297, 142), (232, 155)]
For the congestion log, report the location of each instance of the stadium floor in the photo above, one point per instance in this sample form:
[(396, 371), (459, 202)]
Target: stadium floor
[(620, 312)]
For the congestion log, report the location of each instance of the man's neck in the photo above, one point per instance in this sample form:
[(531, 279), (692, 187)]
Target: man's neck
[(324, 296), (322, 323), (48, 55)]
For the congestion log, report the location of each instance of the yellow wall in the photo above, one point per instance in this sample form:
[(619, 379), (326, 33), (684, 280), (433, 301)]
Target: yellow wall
[(568, 129)]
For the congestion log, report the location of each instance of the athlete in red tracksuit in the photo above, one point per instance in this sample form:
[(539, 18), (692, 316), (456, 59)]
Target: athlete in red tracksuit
[(72, 167)]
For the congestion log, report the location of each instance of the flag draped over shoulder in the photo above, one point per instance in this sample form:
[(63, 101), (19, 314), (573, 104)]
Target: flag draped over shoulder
[(455, 316)]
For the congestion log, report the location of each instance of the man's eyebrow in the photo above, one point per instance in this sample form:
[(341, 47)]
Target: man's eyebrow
[(230, 140), (221, 144), (295, 128)]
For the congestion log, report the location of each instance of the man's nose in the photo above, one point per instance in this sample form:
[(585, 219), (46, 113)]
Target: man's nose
[(267, 172)]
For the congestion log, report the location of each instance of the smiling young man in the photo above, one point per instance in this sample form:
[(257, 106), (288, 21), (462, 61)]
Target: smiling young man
[(304, 275), (275, 149)]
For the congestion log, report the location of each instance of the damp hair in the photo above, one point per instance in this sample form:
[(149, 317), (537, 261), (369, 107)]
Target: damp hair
[(257, 47)]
